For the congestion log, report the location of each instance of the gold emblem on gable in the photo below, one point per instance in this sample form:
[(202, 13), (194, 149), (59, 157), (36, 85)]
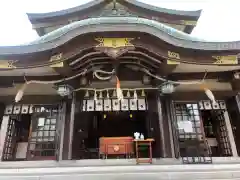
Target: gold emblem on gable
[(114, 47), (8, 64), (172, 62), (173, 55), (56, 57), (226, 60), (114, 42)]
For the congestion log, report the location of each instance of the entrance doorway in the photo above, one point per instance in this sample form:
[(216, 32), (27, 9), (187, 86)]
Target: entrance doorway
[(121, 124), (16, 141), (216, 133), (202, 131), (95, 125)]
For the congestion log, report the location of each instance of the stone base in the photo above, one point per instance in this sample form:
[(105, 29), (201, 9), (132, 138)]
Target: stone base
[(118, 169)]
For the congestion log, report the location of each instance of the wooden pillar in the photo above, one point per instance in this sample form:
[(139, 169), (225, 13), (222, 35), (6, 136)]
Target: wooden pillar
[(161, 126), (233, 107), (154, 126), (71, 126), (62, 118), (168, 119), (167, 126), (3, 133), (230, 134)]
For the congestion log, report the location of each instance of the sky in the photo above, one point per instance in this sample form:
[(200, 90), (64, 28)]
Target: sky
[(219, 20)]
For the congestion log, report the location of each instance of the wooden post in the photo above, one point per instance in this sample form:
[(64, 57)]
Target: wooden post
[(230, 134), (71, 126), (62, 127), (161, 126), (170, 128), (3, 132)]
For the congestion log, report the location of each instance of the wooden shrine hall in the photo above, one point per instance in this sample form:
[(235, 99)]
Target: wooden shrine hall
[(117, 79)]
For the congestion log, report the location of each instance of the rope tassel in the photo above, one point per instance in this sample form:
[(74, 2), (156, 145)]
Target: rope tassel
[(20, 93), (119, 90), (209, 94)]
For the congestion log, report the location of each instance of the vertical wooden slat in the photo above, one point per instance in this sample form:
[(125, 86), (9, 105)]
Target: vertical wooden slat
[(62, 118), (71, 128)]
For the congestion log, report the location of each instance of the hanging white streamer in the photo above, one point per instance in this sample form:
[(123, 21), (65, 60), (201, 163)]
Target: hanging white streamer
[(96, 74)]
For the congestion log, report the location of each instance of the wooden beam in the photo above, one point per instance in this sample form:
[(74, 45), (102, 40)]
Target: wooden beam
[(9, 81), (200, 95), (165, 69), (221, 76), (33, 99)]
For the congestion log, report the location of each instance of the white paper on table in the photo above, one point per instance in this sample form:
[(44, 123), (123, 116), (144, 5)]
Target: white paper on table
[(186, 126)]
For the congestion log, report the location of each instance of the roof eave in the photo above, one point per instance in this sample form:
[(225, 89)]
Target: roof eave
[(33, 17), (39, 16), (194, 14)]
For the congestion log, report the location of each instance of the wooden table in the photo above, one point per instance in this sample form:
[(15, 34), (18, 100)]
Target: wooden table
[(116, 146), (146, 142)]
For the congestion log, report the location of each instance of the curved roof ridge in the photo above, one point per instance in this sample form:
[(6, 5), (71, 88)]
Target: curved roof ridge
[(108, 24), (35, 16), (91, 21), (64, 11)]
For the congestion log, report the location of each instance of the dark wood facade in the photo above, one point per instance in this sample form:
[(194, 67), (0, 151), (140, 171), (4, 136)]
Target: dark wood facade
[(132, 38)]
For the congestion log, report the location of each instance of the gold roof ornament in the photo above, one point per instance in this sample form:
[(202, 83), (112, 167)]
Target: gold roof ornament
[(171, 57), (114, 47), (226, 60), (56, 57), (8, 64), (114, 42)]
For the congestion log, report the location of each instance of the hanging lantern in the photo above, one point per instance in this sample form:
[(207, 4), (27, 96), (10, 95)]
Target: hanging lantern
[(167, 88), (64, 90)]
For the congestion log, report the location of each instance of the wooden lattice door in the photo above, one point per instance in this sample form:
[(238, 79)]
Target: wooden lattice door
[(222, 133), (192, 146), (10, 140), (42, 138)]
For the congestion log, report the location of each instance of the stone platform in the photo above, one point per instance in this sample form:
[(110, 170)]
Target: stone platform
[(118, 169)]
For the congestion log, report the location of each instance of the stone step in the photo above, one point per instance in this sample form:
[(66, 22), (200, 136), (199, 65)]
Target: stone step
[(135, 172)]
